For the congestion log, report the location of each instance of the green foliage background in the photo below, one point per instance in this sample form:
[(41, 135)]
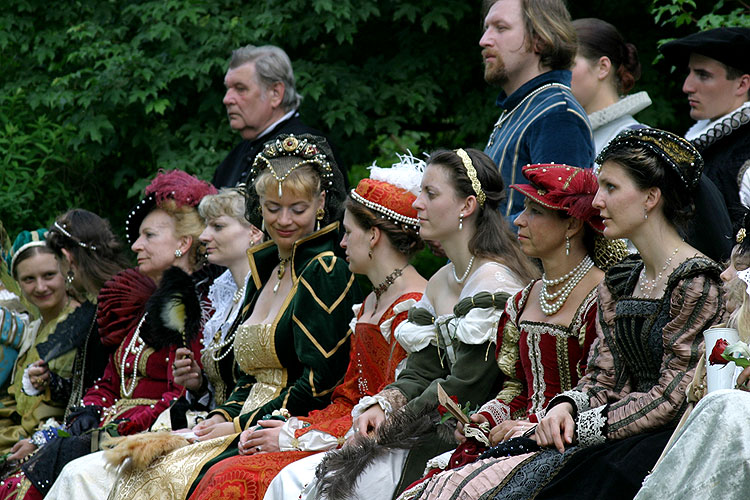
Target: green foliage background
[(96, 95)]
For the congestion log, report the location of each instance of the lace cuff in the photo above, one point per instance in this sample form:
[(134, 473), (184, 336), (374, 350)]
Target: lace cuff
[(590, 426), (579, 400), (389, 400), (496, 411)]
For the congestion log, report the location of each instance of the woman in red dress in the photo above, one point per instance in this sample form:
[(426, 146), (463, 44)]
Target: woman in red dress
[(380, 236)]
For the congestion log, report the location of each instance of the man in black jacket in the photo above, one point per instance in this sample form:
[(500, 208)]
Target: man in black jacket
[(262, 103)]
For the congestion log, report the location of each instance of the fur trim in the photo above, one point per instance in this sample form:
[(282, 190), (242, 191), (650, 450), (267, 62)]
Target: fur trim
[(143, 449), (405, 429), (174, 312)]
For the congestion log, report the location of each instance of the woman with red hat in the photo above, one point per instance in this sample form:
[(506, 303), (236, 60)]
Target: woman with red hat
[(546, 331), (144, 315)]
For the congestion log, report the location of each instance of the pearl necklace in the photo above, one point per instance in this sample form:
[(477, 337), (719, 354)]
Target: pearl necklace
[(238, 294), (552, 302), (217, 348), (466, 274), (647, 286), (136, 346)]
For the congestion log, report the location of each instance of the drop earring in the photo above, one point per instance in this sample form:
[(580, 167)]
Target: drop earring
[(69, 277), (460, 221), (319, 217), (567, 245), (645, 213)]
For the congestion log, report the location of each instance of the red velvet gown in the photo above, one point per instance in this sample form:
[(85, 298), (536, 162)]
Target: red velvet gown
[(372, 364)]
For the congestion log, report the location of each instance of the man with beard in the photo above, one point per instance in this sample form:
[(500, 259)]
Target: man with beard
[(261, 102), (528, 49)]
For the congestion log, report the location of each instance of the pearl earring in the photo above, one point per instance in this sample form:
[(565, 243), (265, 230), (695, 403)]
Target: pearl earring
[(567, 245), (460, 221)]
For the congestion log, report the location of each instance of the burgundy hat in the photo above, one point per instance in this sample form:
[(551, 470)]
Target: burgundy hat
[(562, 187)]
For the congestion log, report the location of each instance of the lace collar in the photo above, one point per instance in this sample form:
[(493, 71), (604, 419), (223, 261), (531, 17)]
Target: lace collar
[(628, 105), (706, 132), (221, 294)]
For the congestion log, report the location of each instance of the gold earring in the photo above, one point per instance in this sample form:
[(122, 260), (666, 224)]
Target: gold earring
[(319, 217)]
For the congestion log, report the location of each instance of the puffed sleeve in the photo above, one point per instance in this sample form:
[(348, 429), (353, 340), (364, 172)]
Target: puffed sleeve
[(318, 316), (514, 393), (606, 404)]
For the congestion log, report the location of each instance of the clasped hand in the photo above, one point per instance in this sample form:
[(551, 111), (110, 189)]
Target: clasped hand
[(262, 438)]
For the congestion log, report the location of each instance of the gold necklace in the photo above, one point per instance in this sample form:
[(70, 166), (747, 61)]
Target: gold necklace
[(280, 273)]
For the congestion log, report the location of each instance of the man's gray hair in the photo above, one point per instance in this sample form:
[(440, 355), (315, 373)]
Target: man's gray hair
[(271, 65)]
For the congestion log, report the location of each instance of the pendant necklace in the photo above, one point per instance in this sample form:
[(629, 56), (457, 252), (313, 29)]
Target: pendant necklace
[(647, 286), (280, 273)]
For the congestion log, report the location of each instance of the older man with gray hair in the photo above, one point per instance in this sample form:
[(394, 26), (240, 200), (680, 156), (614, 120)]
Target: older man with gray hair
[(262, 103)]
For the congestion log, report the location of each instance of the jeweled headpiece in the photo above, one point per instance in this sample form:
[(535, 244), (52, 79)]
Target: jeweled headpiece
[(392, 191), (175, 185), (471, 172), (677, 152), (62, 228), (290, 152), (281, 156), (24, 240), (563, 187)]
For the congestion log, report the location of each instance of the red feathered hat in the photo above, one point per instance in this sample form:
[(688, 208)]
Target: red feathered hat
[(176, 185), (562, 187)]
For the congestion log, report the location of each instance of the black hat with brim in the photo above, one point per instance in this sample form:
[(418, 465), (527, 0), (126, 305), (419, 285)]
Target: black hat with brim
[(730, 46)]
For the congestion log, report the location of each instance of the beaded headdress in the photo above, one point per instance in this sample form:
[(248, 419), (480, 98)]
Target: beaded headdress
[(563, 187), (175, 185), (282, 155), (62, 228), (392, 191), (24, 240), (677, 152), (471, 172)]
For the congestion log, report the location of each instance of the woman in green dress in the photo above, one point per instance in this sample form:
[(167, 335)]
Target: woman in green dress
[(292, 344)]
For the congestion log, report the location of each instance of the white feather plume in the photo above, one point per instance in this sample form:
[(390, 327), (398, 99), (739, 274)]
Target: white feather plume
[(406, 173)]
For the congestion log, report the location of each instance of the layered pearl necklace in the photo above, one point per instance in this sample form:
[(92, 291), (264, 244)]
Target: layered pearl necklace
[(136, 347), (466, 273), (647, 286), (552, 302)]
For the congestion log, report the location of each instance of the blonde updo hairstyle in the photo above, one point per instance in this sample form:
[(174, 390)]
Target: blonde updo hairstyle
[(228, 201), (187, 222)]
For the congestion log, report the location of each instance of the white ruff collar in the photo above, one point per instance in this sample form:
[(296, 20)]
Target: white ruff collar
[(702, 127), (628, 105)]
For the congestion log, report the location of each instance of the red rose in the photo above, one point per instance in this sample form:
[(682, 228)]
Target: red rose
[(442, 410), (717, 357)]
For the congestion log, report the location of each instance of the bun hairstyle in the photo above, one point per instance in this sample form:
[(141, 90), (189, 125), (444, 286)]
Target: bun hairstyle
[(597, 38), (403, 237), (97, 252), (493, 238)]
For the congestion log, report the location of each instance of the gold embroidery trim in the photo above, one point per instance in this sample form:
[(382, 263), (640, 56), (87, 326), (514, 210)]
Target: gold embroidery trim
[(335, 304), (314, 341)]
